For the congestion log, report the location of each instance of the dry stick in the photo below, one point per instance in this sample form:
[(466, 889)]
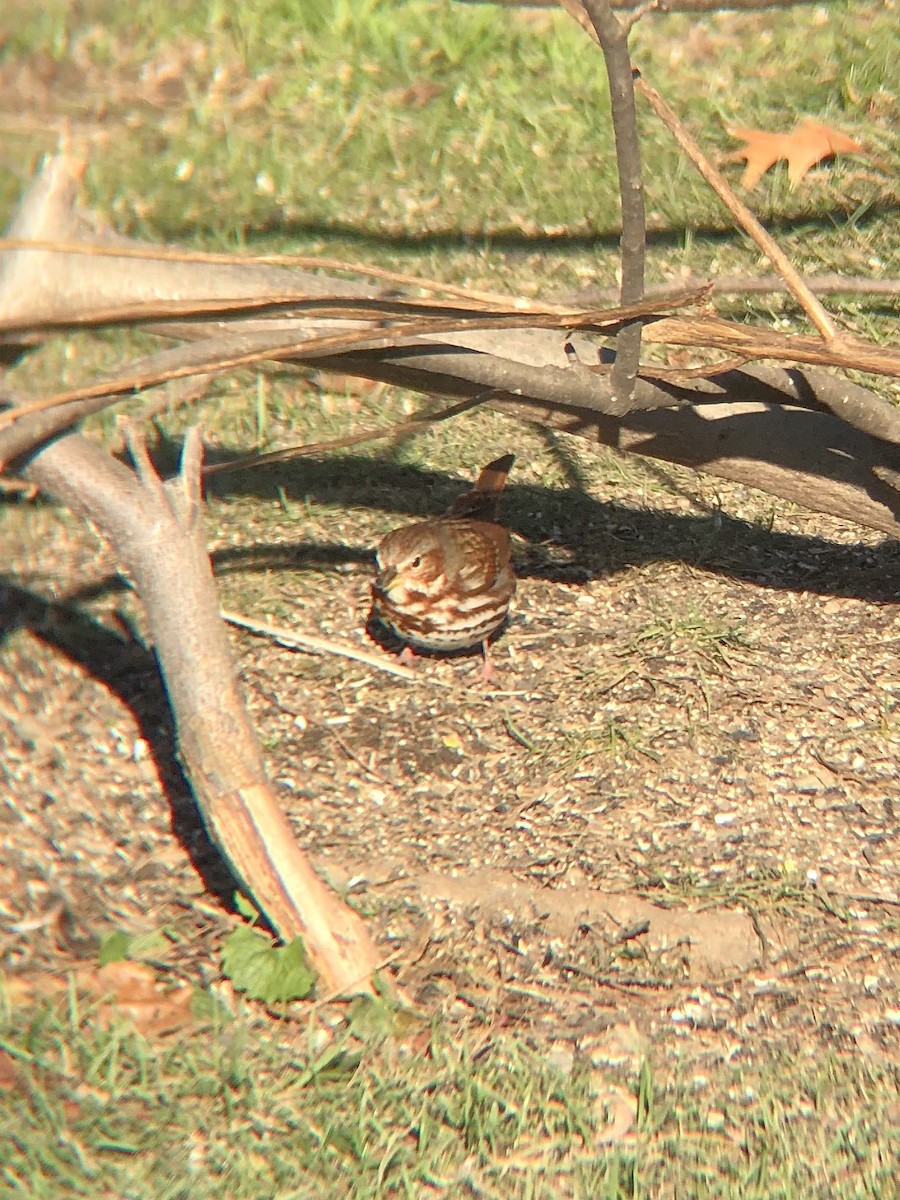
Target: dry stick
[(292, 303), (306, 261), (352, 439), (751, 342), (734, 285), (614, 44), (377, 336), (156, 530), (742, 214), (319, 645)]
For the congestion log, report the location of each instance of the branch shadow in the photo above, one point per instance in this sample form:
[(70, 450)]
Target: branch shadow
[(513, 240), (571, 536), (129, 670)]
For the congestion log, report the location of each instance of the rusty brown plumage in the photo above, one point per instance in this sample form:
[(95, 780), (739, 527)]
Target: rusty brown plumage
[(446, 584)]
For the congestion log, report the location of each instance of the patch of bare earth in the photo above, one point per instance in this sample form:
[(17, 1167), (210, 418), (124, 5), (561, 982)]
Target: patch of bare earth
[(675, 819)]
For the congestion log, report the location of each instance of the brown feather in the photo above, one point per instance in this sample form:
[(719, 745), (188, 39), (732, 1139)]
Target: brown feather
[(447, 583), (480, 504)]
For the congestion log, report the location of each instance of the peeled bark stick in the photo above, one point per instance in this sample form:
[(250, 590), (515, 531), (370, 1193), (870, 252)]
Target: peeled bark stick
[(155, 529)]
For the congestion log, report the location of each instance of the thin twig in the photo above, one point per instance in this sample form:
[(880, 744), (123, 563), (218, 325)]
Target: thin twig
[(352, 439), (742, 214), (830, 284), (319, 645), (614, 44)]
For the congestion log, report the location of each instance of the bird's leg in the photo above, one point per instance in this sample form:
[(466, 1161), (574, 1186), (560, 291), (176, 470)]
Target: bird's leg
[(488, 672), (407, 656)]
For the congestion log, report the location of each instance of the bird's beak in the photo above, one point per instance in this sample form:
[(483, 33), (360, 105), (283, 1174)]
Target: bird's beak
[(385, 580)]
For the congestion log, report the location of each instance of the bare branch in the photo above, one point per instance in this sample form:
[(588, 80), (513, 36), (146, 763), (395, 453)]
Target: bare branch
[(613, 40), (155, 530), (807, 456), (294, 339)]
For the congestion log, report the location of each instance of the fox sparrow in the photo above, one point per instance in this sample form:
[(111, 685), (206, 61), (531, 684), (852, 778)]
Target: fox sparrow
[(446, 584)]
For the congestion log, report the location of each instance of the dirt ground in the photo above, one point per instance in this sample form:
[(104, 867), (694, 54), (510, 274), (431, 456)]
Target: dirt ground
[(674, 820)]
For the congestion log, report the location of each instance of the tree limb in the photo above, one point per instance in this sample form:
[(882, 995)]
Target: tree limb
[(794, 281), (156, 533), (613, 38)]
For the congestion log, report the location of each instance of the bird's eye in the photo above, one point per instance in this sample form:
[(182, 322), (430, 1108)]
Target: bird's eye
[(416, 562)]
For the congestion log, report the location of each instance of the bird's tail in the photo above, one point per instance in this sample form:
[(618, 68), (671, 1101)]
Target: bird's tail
[(480, 504)]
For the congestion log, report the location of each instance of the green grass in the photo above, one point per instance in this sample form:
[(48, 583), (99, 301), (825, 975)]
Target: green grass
[(242, 1112), (298, 125)]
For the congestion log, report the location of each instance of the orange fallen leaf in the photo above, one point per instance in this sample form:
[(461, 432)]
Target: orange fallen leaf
[(125, 990), (807, 143), (9, 1075), (131, 991)]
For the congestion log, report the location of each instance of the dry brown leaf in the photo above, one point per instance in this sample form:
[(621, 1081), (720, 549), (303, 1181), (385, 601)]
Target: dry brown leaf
[(131, 991), (808, 143), (619, 1108), (9, 1075), (126, 990)]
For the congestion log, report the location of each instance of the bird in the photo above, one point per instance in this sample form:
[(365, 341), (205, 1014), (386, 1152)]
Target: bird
[(446, 584)]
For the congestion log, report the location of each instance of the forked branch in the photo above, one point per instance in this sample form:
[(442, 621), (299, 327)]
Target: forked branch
[(155, 530)]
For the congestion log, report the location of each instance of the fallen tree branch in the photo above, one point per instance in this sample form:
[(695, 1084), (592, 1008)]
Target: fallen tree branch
[(289, 340), (155, 529), (809, 457), (251, 344)]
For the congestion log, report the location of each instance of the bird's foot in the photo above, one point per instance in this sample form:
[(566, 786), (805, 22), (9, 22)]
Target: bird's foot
[(488, 670)]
